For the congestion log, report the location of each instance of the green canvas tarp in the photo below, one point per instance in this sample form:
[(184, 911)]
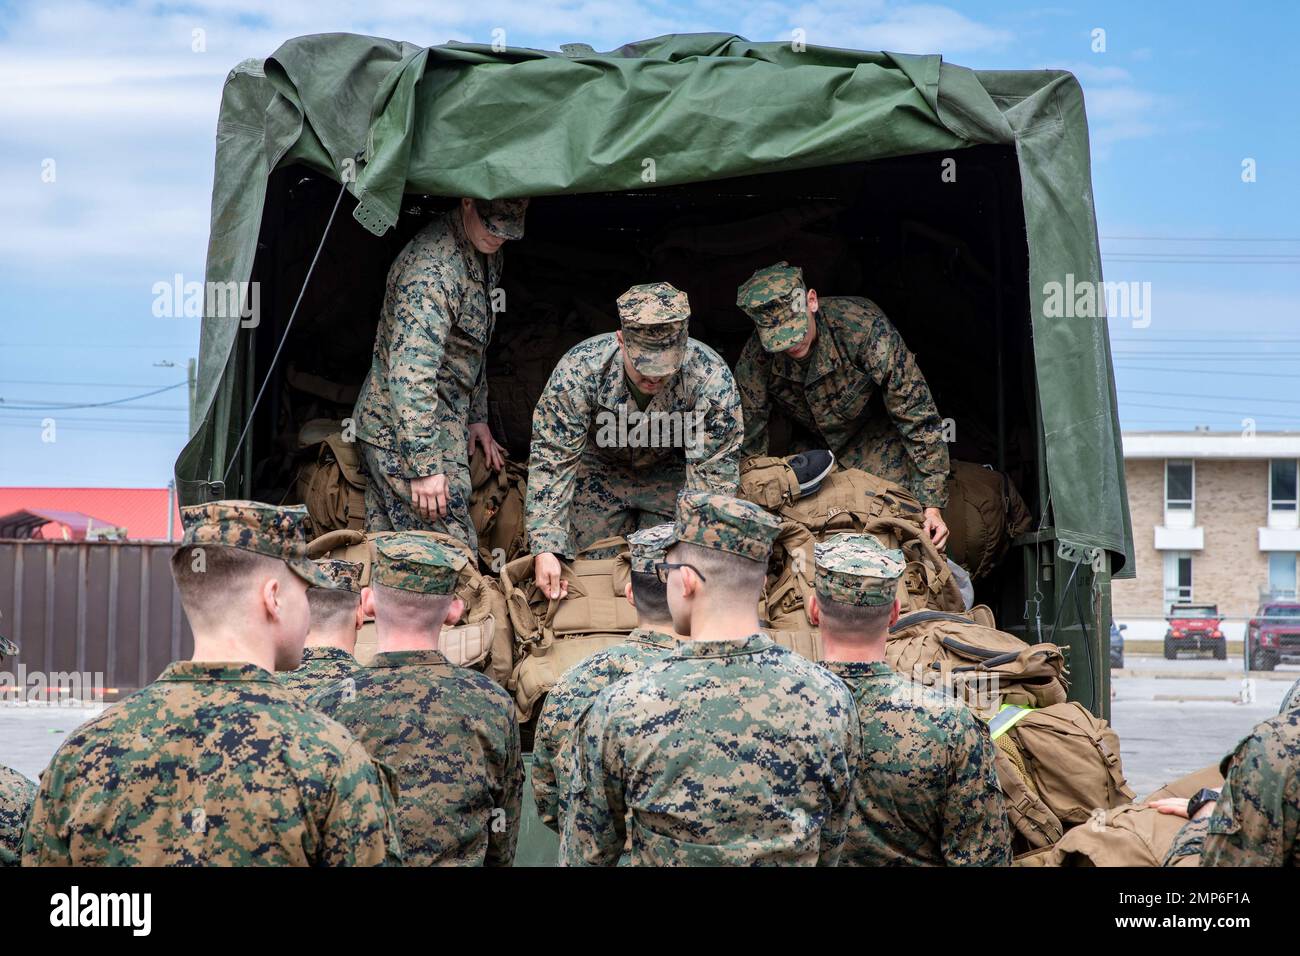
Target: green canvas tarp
[(390, 118)]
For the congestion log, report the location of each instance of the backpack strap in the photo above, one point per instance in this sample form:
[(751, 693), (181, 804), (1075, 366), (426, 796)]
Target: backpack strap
[(1008, 716)]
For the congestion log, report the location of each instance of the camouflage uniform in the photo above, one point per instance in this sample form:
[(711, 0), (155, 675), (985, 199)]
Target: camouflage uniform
[(859, 387), (322, 666), (725, 752), (215, 763), (582, 484), (449, 733), (16, 795), (427, 380), (1256, 821), (926, 793)]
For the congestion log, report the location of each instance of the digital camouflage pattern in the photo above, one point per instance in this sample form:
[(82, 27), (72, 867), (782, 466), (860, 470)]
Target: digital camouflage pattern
[(654, 321), (415, 563), (728, 752), (451, 738), (427, 381), (724, 523), (320, 668), (775, 298), (588, 481), (860, 390), (275, 532), (1256, 821), (646, 547), (566, 702), (213, 764), (925, 792), (342, 575), (16, 796), (504, 218), (857, 569), (7, 648)]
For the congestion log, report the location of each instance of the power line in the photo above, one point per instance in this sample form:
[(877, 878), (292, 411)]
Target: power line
[(1210, 411), (59, 406), (1201, 239), (1226, 398), (1201, 371), (28, 381)]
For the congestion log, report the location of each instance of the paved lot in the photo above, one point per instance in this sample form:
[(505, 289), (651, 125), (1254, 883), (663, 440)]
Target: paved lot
[(1166, 727)]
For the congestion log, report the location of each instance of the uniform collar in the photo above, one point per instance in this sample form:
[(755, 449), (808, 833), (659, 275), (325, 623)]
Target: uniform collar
[(858, 670), (730, 648), (325, 654), (651, 637), (205, 671), (408, 658)]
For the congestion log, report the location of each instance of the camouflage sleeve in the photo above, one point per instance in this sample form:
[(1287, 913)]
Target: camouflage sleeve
[(976, 831), (478, 403), (1255, 820), (751, 381), (45, 838), (835, 830), (559, 438), (908, 400), (16, 796), (423, 313), (1189, 843), (546, 745), (593, 831), (507, 796), (360, 828), (713, 460)]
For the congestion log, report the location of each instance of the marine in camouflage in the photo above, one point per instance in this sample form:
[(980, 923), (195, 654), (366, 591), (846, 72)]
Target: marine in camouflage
[(724, 523), (776, 299), (16, 796), (451, 738), (728, 752), (859, 390), (925, 792), (275, 532), (857, 569), (427, 381), (566, 702), (1256, 820), (320, 668), (584, 486), (655, 333), (212, 765)]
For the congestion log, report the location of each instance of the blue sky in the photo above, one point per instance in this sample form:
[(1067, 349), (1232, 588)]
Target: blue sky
[(118, 98)]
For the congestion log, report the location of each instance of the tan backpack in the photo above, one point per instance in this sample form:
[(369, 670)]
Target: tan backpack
[(1131, 835), (483, 640), (964, 654), (984, 512), (329, 479), (847, 498), (496, 506)]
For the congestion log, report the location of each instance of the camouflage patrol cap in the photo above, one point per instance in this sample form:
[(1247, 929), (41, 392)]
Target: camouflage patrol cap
[(275, 532), (343, 575), (504, 218), (654, 327), (723, 523), (775, 299), (647, 546), (857, 569), (413, 562)]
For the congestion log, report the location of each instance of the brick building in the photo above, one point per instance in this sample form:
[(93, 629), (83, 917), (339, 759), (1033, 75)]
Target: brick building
[(1215, 520)]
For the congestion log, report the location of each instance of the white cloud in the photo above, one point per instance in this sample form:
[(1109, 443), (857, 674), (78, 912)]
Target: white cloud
[(876, 25)]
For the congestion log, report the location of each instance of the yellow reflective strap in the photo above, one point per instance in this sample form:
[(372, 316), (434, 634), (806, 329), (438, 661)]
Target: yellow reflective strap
[(1008, 716)]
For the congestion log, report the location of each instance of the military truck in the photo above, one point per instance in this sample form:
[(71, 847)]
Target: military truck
[(960, 201)]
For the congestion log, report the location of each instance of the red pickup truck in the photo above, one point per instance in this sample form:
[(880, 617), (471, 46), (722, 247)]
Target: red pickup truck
[(1273, 635), (1195, 627)]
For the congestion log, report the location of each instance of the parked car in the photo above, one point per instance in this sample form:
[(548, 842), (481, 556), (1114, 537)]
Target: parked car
[(1195, 627), (1273, 635), (1117, 644)]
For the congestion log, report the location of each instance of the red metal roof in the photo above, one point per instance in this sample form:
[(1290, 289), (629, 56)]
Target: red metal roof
[(142, 511)]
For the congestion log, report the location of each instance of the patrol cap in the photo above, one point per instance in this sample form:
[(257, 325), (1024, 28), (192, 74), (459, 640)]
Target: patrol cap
[(648, 546), (654, 319), (276, 532), (775, 298), (723, 523), (415, 562), (343, 575), (857, 569), (504, 218)]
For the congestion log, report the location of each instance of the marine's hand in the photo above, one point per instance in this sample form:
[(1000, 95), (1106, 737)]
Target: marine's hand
[(481, 435), (935, 528), (429, 496), (546, 574)]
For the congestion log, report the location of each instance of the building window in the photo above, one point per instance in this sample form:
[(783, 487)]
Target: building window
[(1178, 577), (1281, 575), (1178, 485), (1282, 484)]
